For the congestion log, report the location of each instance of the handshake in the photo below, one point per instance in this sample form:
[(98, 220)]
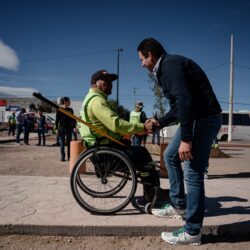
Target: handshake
[(151, 125)]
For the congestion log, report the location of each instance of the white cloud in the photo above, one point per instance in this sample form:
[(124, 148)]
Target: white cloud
[(8, 57), (19, 92)]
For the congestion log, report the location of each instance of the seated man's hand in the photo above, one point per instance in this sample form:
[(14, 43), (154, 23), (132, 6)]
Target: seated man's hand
[(151, 125)]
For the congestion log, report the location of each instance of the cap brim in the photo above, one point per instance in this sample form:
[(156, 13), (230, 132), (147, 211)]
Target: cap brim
[(110, 77), (139, 106)]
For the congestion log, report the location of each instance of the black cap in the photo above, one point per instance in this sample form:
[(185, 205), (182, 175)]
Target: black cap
[(139, 104), (103, 75)]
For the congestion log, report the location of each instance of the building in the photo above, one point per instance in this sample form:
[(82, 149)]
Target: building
[(10, 104)]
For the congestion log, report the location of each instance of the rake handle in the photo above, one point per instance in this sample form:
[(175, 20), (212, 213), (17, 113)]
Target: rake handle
[(42, 98)]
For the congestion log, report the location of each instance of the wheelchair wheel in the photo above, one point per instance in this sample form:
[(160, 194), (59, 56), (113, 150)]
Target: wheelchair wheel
[(105, 165), (103, 180)]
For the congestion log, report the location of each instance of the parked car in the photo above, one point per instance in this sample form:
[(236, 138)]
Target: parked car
[(50, 121)]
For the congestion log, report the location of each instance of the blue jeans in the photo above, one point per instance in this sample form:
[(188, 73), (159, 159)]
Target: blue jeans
[(204, 131), (19, 129), (26, 133), (156, 135), (41, 134)]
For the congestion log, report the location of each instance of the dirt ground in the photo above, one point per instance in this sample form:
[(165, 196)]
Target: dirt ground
[(35, 160), (106, 243), (32, 160)]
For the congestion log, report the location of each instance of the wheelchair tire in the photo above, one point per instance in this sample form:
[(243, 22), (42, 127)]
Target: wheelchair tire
[(103, 180), (148, 208)]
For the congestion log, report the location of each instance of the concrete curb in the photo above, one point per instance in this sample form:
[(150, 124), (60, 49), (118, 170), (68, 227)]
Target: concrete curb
[(237, 229)]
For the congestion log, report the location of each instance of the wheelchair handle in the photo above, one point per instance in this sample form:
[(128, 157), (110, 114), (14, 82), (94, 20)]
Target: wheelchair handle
[(62, 110)]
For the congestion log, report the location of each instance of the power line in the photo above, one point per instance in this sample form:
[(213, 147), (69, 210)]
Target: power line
[(241, 66), (68, 56), (216, 67), (132, 57), (238, 103)]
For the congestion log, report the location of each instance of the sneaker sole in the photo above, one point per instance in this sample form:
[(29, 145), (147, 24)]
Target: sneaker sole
[(177, 217), (182, 244), (175, 243)]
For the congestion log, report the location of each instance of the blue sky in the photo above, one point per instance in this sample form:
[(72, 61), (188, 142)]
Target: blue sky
[(53, 46)]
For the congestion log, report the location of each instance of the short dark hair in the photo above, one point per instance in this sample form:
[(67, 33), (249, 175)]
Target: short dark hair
[(65, 99), (151, 45)]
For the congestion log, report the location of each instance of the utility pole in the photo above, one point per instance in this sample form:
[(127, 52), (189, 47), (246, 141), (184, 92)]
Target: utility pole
[(117, 87), (134, 94), (230, 117)]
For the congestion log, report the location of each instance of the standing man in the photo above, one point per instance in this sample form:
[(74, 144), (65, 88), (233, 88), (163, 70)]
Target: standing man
[(194, 105), (19, 125), (41, 120), (138, 116), (156, 133), (12, 124), (64, 127), (26, 128)]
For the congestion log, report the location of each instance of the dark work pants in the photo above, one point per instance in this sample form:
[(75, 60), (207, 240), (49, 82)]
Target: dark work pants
[(65, 134)]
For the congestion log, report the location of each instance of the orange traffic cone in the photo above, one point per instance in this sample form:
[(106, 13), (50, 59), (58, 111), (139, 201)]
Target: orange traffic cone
[(76, 147)]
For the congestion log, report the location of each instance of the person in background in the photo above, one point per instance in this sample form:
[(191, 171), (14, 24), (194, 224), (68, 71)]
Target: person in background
[(156, 133), (138, 116), (26, 128), (195, 107), (19, 125), (214, 146), (144, 139), (41, 120), (59, 102), (12, 124), (64, 127), (74, 134)]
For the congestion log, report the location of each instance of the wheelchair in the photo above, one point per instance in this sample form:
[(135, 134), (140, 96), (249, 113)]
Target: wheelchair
[(104, 181)]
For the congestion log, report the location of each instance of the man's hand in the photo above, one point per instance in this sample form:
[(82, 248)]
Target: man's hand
[(185, 151), (151, 125)]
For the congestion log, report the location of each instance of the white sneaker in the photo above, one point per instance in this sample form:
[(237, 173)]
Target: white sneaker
[(168, 211), (206, 176), (180, 237)]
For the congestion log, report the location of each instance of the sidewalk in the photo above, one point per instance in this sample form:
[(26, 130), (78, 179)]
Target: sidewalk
[(45, 206)]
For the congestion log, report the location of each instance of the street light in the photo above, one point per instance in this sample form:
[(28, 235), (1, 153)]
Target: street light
[(117, 90), (231, 90)]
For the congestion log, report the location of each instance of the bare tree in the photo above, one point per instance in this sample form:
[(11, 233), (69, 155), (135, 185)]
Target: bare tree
[(160, 102), (122, 111)]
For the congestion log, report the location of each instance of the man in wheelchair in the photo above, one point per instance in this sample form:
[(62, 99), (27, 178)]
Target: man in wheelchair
[(96, 111)]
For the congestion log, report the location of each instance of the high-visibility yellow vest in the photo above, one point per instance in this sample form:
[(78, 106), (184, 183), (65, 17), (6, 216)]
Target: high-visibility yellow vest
[(135, 116)]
